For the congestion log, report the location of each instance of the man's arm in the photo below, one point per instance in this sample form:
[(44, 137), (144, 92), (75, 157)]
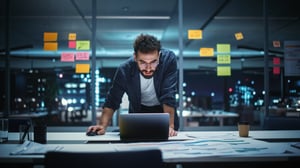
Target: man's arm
[(171, 111), (106, 116)]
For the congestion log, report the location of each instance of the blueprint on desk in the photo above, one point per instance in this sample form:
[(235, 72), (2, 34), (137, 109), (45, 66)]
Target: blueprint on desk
[(209, 146), (33, 148)]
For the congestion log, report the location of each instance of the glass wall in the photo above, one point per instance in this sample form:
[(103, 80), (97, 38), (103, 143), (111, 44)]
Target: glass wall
[(236, 55)]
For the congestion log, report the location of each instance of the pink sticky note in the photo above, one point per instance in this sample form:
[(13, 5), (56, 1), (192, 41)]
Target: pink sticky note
[(82, 56), (72, 44), (67, 57)]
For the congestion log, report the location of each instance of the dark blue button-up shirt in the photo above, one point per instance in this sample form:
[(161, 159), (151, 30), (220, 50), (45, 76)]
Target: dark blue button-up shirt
[(127, 80)]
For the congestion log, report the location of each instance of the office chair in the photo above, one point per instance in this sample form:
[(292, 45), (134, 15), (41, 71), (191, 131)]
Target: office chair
[(151, 158), (281, 123)]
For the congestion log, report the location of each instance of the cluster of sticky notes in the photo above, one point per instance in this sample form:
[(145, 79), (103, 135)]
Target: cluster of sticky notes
[(223, 50), (50, 44), (71, 56), (50, 41), (276, 66), (223, 60), (84, 55), (72, 40)]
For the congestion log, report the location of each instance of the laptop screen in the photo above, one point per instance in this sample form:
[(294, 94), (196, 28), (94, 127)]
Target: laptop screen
[(144, 126)]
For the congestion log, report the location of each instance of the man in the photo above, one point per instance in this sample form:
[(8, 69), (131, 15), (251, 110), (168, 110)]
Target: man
[(149, 78)]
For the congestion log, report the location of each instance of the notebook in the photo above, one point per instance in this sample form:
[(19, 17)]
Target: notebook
[(144, 126)]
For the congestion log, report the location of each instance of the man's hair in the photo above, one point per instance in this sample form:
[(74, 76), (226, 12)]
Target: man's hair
[(146, 43)]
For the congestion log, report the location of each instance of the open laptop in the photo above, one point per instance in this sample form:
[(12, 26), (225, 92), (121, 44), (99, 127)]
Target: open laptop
[(144, 126)]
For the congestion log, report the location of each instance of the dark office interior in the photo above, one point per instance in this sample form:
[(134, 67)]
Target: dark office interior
[(243, 66)]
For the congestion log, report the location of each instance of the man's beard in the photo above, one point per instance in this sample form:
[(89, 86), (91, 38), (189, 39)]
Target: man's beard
[(147, 76)]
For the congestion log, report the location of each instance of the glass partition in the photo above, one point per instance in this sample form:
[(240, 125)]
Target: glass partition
[(235, 56)]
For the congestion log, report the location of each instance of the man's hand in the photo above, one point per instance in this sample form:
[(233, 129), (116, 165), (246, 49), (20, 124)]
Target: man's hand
[(99, 129), (172, 132)]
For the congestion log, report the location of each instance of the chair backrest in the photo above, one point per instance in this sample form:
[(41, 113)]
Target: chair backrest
[(151, 158), (281, 123)]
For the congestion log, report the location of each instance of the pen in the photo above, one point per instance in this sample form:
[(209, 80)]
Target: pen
[(25, 132)]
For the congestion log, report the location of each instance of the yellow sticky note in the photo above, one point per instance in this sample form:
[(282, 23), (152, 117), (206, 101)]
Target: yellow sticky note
[(82, 68), (82, 45), (194, 34), (50, 36), (206, 52), (239, 36), (72, 36), (223, 71), (50, 46), (223, 48), (223, 59)]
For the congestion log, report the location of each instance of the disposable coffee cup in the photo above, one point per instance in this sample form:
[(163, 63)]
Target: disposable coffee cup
[(243, 127)]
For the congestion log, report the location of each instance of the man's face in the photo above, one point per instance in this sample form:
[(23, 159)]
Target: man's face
[(147, 62)]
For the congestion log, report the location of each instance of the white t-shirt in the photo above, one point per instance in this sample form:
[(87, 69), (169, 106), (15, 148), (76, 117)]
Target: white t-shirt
[(148, 94)]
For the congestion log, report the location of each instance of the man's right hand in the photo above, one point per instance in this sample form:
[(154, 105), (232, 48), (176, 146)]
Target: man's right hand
[(99, 129)]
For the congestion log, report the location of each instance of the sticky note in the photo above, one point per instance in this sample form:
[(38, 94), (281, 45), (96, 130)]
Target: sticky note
[(82, 68), (276, 70), (72, 44), (206, 52), (82, 56), (239, 36), (276, 44), (50, 36), (72, 36), (194, 34), (276, 61), (67, 57), (223, 71), (223, 48), (50, 46), (82, 45), (224, 59)]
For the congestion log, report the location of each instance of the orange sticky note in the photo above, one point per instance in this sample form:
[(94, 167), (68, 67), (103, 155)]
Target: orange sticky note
[(239, 36), (50, 46), (72, 36), (206, 52), (72, 44), (82, 68), (50, 36), (195, 34), (223, 71)]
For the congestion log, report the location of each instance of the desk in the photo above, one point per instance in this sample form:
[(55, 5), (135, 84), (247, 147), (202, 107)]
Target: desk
[(30, 115), (186, 153)]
